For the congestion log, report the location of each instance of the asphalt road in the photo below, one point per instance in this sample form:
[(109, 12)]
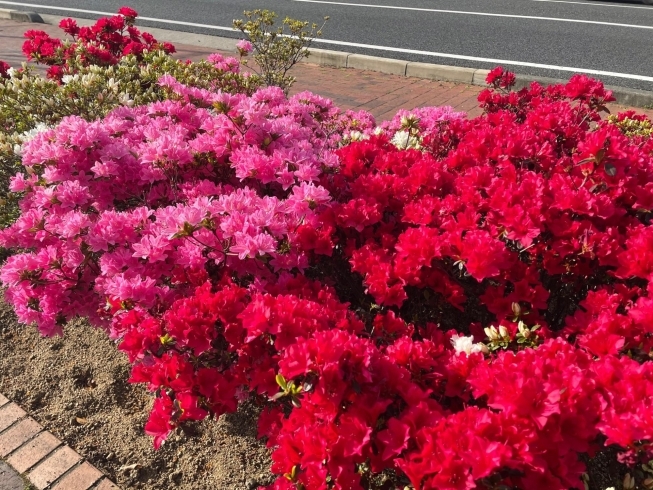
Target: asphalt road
[(611, 41)]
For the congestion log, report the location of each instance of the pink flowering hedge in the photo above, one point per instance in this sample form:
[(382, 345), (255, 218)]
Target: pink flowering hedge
[(442, 302)]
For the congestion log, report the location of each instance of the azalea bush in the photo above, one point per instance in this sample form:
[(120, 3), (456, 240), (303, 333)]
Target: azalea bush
[(31, 103), (173, 146), (93, 91), (436, 302), (112, 63), (632, 124), (102, 44), (87, 88)]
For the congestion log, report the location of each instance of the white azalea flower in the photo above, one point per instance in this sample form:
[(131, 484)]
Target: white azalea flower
[(66, 79), (358, 136), (89, 79), (113, 85), (31, 134), (466, 344), (125, 99), (403, 140)]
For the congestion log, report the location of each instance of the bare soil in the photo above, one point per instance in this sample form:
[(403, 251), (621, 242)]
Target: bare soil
[(77, 388)]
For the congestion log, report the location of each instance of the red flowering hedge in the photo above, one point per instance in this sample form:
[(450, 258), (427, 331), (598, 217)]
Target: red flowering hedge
[(442, 302), (102, 44)]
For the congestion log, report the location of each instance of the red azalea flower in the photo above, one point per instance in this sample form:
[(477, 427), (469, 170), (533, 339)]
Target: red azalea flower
[(134, 48), (69, 26), (128, 12), (55, 72)]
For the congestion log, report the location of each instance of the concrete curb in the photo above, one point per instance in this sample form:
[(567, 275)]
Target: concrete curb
[(40, 457), (374, 63), (440, 72), (340, 59), (21, 16)]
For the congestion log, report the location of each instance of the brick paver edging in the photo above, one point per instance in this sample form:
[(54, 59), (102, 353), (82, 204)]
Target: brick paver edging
[(40, 457)]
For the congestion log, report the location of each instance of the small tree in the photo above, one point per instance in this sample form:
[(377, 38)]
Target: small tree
[(276, 50)]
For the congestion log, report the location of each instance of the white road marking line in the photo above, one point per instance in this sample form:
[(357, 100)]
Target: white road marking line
[(597, 4), (483, 14), (376, 47)]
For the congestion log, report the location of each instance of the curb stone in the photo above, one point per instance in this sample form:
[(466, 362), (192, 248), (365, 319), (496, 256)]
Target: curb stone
[(42, 459), (21, 16), (325, 57), (632, 97), (374, 63), (480, 76), (440, 72), (342, 59)]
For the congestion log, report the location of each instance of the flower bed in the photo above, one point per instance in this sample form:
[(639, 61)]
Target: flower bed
[(437, 302)]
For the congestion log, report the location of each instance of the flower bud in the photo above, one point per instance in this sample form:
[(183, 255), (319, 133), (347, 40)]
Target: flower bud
[(523, 330), (491, 333), (629, 482)]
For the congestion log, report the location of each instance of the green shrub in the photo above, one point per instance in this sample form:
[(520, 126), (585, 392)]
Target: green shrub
[(277, 50)]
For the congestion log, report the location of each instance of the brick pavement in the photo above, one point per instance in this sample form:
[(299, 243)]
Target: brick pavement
[(43, 460), (382, 94)]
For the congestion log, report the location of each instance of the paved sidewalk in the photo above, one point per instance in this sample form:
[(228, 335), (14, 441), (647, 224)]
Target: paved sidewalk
[(382, 94), (44, 461), (379, 93)]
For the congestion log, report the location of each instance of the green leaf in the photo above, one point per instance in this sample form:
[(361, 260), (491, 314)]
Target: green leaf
[(281, 381)]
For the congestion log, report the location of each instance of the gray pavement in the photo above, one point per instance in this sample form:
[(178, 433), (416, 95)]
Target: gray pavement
[(541, 37), (9, 479)]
